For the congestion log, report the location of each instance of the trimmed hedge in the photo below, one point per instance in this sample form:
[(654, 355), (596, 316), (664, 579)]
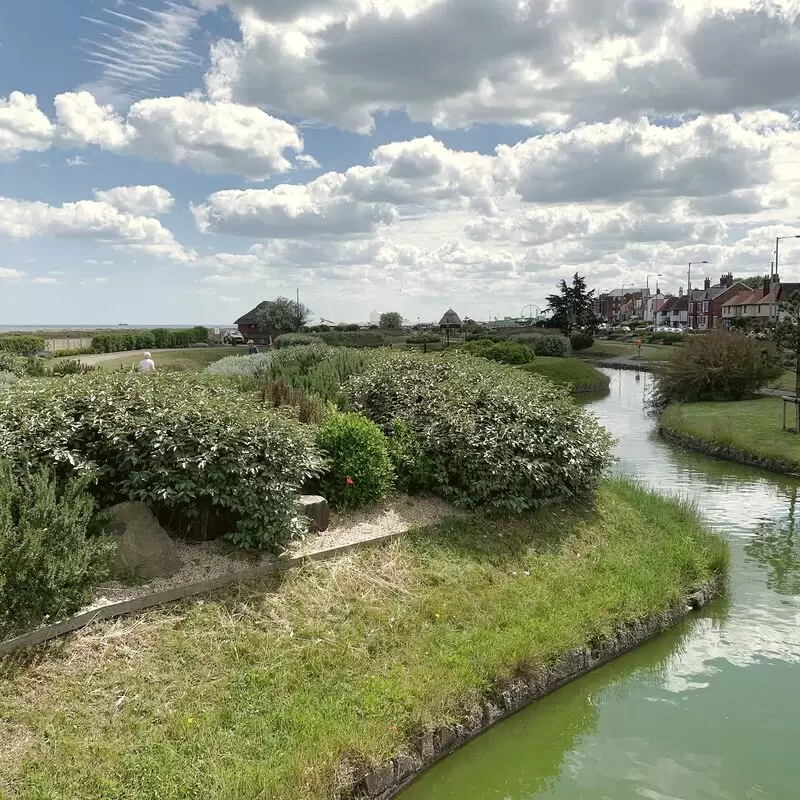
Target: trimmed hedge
[(21, 344), (186, 448), (359, 472), (155, 338), (496, 437), (502, 352), (553, 346)]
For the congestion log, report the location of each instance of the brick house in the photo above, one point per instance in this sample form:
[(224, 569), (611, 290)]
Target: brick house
[(249, 328), (706, 305)]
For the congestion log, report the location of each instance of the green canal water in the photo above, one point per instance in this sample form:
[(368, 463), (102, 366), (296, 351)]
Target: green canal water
[(708, 711)]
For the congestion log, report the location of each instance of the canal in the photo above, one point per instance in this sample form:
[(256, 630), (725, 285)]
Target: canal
[(708, 711)]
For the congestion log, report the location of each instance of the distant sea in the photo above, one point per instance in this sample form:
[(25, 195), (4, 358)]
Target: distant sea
[(21, 328)]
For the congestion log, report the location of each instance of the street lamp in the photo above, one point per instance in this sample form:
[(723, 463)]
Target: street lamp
[(652, 275), (689, 276), (775, 275)]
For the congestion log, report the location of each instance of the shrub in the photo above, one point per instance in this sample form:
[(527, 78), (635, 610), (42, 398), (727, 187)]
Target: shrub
[(553, 346), (51, 553), (353, 338), (721, 365), (497, 437), (502, 352), (413, 467), (7, 380), (244, 366), (36, 367), (581, 341), (116, 342), (186, 448), (73, 367), (296, 339), (359, 471), (72, 351), (12, 364), (278, 394), (21, 344)]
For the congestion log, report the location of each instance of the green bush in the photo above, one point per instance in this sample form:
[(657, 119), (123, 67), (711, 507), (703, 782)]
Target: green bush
[(359, 471), (296, 339), (72, 351), (187, 448), (36, 367), (502, 352), (412, 465), (72, 367), (51, 550), (7, 380), (497, 437), (552, 346), (117, 342), (720, 365), (353, 338), (21, 344), (581, 341), (13, 364)]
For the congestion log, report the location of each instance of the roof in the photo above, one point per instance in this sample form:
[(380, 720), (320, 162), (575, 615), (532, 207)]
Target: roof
[(251, 317), (450, 319), (626, 291)]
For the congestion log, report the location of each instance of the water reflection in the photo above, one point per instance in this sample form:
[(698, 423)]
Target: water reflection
[(707, 712)]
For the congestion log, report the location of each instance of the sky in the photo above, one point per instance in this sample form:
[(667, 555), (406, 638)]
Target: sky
[(179, 161)]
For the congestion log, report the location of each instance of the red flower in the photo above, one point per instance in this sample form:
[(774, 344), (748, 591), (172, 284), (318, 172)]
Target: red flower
[(349, 481)]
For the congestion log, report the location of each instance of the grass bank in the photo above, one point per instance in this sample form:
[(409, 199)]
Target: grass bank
[(608, 348), (751, 427), (190, 359), (582, 376), (276, 691)]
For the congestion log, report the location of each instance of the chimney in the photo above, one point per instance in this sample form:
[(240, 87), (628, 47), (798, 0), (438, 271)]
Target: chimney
[(726, 281), (680, 291), (776, 278), (707, 283), (766, 285)]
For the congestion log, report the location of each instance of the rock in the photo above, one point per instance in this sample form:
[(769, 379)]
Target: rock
[(379, 779), (445, 737), (144, 549), (316, 509)]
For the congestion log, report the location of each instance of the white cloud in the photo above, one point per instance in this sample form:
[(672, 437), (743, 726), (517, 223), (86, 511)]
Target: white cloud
[(536, 62), (56, 272), (45, 281), (92, 220), (8, 274), (77, 161), (207, 137), (23, 127), (142, 201), (306, 161)]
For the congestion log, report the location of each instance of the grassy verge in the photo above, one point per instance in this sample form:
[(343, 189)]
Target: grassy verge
[(606, 348), (270, 691), (786, 382), (190, 359), (753, 427), (582, 376)]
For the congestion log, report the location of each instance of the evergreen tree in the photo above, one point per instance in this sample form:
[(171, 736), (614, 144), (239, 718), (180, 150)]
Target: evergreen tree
[(573, 308)]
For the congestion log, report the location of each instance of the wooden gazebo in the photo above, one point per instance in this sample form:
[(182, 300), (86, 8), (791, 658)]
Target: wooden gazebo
[(450, 322)]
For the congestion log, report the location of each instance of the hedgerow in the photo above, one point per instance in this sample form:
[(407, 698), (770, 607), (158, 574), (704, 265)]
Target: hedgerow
[(183, 446), (496, 437), (21, 344)]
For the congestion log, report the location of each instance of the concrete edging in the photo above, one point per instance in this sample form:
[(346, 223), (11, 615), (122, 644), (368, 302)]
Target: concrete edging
[(387, 780), (179, 592), (726, 452)]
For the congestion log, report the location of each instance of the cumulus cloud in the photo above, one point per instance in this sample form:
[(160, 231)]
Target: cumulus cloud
[(23, 127), (8, 274), (89, 219), (141, 201), (534, 62), (45, 281), (207, 137)]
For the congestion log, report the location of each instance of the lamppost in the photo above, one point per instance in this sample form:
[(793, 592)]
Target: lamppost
[(774, 274), (647, 285), (652, 275), (689, 276)]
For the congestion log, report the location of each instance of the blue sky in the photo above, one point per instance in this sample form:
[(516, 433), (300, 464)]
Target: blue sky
[(383, 154)]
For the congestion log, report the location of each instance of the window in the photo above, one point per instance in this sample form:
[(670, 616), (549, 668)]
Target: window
[(705, 306)]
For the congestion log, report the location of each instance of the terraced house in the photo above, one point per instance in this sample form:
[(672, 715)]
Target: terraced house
[(706, 305), (760, 305)]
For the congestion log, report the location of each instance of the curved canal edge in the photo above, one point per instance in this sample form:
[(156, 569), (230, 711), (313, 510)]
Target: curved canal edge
[(507, 697), (725, 452)]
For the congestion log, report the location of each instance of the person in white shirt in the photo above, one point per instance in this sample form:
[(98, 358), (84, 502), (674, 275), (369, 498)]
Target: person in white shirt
[(147, 364)]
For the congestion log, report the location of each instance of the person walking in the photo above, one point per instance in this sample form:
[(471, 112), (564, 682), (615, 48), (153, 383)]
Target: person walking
[(252, 349), (147, 364)]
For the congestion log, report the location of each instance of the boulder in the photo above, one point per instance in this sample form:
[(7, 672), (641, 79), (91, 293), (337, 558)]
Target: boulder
[(144, 549), (316, 509)]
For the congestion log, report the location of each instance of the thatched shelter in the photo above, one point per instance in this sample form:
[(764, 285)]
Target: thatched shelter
[(450, 320)]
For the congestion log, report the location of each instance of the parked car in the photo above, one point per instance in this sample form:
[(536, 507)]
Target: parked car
[(232, 337)]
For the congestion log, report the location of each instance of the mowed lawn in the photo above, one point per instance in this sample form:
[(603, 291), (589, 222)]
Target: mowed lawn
[(282, 691), (580, 375), (190, 359), (754, 427), (606, 349)]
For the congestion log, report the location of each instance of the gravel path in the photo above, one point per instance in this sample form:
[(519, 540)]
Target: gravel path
[(204, 560)]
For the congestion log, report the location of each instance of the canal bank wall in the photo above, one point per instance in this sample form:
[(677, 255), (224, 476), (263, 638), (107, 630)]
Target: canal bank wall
[(388, 780), (726, 452)]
